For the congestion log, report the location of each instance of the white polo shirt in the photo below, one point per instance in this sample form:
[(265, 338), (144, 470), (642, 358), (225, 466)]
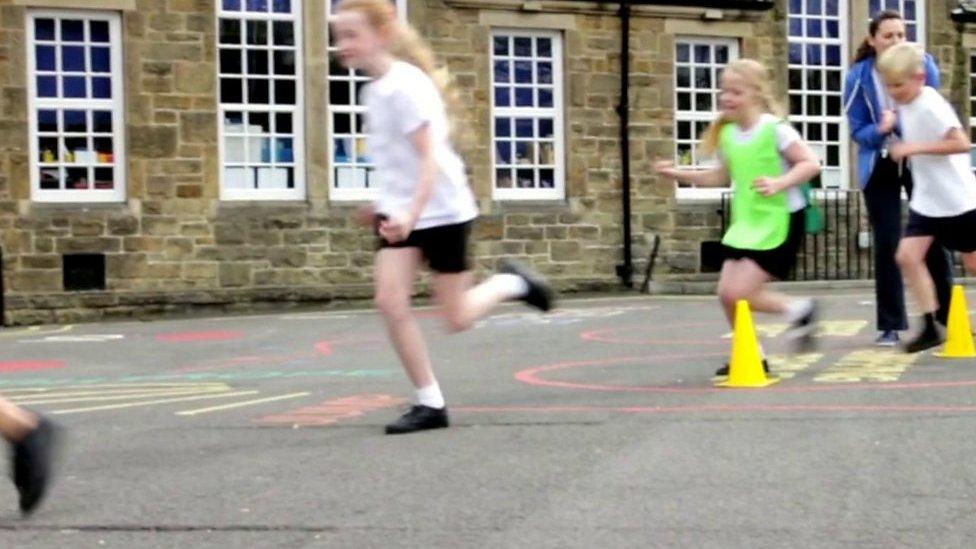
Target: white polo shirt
[(400, 102), (944, 184)]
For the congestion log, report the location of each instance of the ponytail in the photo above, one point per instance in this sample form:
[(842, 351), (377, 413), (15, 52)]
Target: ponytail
[(866, 50)]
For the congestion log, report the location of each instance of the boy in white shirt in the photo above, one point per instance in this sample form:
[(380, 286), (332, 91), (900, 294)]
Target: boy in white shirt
[(943, 205)]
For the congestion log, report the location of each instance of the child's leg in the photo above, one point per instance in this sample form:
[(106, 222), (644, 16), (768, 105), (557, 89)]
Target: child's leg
[(395, 271), (969, 260), (15, 422), (740, 279), (911, 259), (463, 304)]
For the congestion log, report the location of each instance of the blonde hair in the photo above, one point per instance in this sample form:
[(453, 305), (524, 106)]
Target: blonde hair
[(408, 46), (758, 78), (902, 60)]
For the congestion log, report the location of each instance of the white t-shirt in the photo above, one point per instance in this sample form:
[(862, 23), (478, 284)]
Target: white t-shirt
[(786, 135), (944, 184), (400, 102), (884, 99)]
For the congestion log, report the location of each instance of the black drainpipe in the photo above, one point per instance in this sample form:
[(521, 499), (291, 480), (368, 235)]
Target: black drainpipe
[(625, 270)]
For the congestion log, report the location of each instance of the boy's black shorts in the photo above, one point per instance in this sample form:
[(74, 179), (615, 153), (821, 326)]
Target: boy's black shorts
[(444, 248), (955, 233)]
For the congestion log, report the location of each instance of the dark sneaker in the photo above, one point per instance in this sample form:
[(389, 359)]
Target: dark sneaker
[(33, 460), (887, 338), (802, 330), (724, 370), (419, 418), (540, 293), (927, 338)]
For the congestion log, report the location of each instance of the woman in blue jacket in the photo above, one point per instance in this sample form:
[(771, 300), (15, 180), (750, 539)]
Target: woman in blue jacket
[(874, 122)]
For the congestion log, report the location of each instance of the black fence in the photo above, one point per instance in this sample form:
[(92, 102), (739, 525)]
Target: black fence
[(843, 250)]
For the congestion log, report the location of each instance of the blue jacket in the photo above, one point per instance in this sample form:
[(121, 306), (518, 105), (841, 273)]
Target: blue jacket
[(863, 108)]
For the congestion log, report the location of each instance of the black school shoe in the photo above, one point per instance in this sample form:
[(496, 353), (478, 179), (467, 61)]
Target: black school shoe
[(33, 464), (724, 370), (927, 338), (540, 293), (419, 418)]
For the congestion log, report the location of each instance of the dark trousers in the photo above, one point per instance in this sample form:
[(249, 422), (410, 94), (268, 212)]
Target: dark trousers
[(883, 199)]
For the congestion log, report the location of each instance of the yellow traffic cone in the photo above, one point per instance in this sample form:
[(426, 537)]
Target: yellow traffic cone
[(959, 339), (745, 367)]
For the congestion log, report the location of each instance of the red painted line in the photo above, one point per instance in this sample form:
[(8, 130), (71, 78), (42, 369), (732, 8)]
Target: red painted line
[(717, 408), (605, 335), (533, 376), (30, 365), (331, 412), (184, 337)]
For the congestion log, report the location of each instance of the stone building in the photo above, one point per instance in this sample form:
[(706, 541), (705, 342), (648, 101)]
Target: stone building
[(163, 154)]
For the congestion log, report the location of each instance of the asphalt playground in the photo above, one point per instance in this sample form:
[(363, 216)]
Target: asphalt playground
[(597, 425)]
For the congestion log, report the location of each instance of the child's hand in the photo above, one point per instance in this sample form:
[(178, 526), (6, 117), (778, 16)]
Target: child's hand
[(888, 120), (396, 228), (767, 186), (899, 151), (365, 215), (666, 168)]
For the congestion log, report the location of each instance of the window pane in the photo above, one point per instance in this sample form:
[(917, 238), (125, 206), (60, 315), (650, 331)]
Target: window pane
[(284, 92), (47, 149), (232, 5), (104, 178), (257, 61), (525, 179), (75, 122), (45, 58), (502, 72), (684, 77), (524, 127), (284, 62), (230, 31), (284, 150), (283, 122), (47, 120), (545, 97), (230, 61), (44, 29), (703, 54), (230, 90), (103, 150), (234, 149), (257, 5), (50, 179), (682, 53), (503, 127), (100, 60), (101, 88), (523, 47), (281, 6), (503, 178), (284, 33), (544, 47), (545, 128), (77, 178), (503, 152), (547, 178), (259, 149), (523, 97), (339, 92), (73, 58), (523, 72), (76, 151), (544, 73), (72, 30), (257, 33), (341, 122), (99, 31), (500, 45), (503, 96)]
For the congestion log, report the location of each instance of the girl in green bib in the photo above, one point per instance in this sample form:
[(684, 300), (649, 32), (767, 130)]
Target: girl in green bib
[(767, 163)]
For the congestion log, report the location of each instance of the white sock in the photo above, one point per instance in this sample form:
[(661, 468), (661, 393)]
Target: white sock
[(798, 308), (430, 396), (509, 285)]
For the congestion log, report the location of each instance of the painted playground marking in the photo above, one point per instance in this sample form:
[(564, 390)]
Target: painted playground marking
[(331, 412)]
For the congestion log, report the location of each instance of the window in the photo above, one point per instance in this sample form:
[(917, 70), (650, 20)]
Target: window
[(75, 106), (817, 54), (912, 10), (261, 116), (698, 64), (350, 168), (972, 105), (527, 106)]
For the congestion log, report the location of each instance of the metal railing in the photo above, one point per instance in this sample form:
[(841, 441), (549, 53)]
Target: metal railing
[(838, 252)]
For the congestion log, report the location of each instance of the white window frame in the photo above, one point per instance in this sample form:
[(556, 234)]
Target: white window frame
[(919, 21), (843, 141), (115, 105), (347, 194), (299, 192), (558, 190), (693, 116)]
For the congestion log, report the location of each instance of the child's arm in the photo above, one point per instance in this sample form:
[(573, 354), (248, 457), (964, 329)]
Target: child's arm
[(954, 142), (400, 226), (804, 166), (712, 177)]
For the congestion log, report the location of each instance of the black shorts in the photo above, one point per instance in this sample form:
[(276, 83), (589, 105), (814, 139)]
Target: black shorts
[(779, 260), (444, 248), (955, 233)]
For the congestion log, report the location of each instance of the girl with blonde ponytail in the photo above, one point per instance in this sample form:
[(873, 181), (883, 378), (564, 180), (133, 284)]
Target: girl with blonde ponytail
[(426, 207), (767, 162)]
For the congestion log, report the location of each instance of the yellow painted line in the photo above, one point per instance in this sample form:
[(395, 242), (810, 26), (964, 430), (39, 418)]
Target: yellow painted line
[(146, 386), (787, 366), (37, 330), (103, 398), (140, 390), (149, 403), (240, 404), (868, 365)]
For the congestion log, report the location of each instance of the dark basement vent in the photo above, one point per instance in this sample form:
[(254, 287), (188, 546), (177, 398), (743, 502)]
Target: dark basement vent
[(84, 272)]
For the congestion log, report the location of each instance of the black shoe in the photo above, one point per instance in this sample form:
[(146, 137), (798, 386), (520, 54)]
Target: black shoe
[(803, 328), (419, 418), (724, 370), (927, 338), (540, 293), (33, 460)]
